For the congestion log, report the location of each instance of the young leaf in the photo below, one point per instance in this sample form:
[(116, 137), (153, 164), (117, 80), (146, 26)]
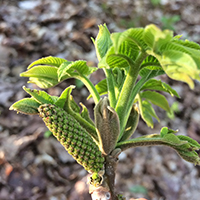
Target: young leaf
[(121, 54), (102, 42), (156, 38), (182, 46), (156, 99), (85, 114), (187, 43), (28, 106), (101, 88), (131, 123), (192, 142), (42, 76), (170, 137), (184, 147), (117, 60), (151, 63), (180, 66), (124, 45), (190, 156), (163, 131), (154, 84), (40, 96), (67, 103), (149, 73), (50, 60), (71, 69), (74, 105), (147, 112), (64, 98), (134, 36)]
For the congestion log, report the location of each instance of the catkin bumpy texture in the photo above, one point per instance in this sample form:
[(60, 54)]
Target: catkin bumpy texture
[(73, 137)]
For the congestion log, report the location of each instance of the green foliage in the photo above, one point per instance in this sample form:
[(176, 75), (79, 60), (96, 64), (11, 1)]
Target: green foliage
[(185, 146), (42, 75), (131, 60), (50, 60), (26, 106)]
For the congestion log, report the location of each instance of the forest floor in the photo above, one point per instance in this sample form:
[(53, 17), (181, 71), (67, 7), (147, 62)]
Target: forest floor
[(35, 167)]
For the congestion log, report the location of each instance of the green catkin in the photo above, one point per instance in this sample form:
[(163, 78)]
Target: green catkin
[(73, 137)]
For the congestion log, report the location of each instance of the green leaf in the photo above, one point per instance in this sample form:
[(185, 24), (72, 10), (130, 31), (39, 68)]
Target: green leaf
[(85, 114), (180, 66), (117, 60), (170, 137), (151, 73), (190, 156), (192, 142), (131, 123), (156, 98), (64, 98), (66, 102), (151, 63), (134, 36), (101, 88), (102, 42), (40, 96), (187, 43), (50, 60), (155, 38), (154, 84), (185, 47), (163, 131), (123, 52), (28, 106), (70, 69), (147, 112), (42, 76), (184, 146), (74, 105)]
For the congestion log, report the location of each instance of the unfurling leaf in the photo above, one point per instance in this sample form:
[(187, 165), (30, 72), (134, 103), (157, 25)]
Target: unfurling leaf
[(131, 124), (107, 125), (102, 42), (154, 84), (50, 60), (85, 114), (156, 98), (147, 112), (28, 106), (70, 69), (64, 99), (42, 76), (185, 146), (41, 96)]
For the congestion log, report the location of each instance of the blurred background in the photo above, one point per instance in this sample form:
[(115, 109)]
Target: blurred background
[(33, 165)]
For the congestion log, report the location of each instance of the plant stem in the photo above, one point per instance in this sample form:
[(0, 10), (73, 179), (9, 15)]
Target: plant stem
[(122, 108), (111, 87), (90, 87), (107, 188)]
